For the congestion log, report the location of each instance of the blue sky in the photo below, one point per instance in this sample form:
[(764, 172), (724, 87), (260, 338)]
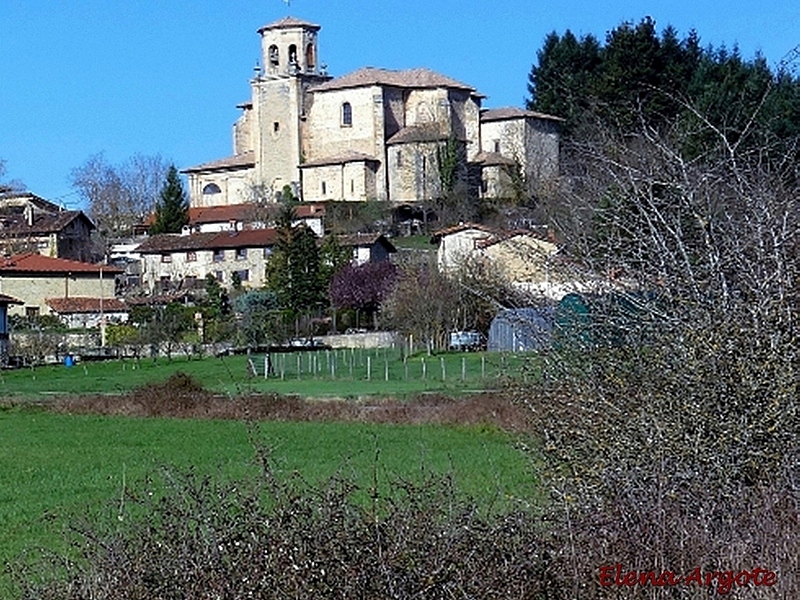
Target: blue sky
[(121, 77)]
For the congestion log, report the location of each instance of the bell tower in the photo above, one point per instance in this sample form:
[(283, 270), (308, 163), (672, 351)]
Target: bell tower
[(290, 62), (289, 47)]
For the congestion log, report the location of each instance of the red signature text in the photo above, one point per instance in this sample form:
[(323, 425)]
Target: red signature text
[(724, 581)]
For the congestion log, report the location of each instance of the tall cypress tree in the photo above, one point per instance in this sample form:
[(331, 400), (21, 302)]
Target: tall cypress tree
[(172, 209)]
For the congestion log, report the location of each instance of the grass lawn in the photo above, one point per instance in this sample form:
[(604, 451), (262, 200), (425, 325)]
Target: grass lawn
[(58, 467), (333, 373)]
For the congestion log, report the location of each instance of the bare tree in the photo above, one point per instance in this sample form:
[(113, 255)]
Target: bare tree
[(120, 196), (7, 186)]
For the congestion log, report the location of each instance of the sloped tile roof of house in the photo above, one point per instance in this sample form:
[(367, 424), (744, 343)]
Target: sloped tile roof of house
[(173, 242), (237, 161), (348, 156), (221, 214), (512, 112), (5, 299), (32, 262), (289, 22), (439, 234), (20, 198), (409, 78), (15, 225), (245, 212), (86, 305)]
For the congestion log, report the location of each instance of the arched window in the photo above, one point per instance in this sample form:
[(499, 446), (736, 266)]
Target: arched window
[(211, 188), (273, 55), (292, 54), (310, 59), (347, 114)]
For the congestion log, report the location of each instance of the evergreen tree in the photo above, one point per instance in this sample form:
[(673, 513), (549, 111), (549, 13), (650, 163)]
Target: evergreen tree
[(293, 268), (172, 209)]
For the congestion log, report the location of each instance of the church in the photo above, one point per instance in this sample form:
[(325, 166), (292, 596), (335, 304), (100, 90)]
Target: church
[(373, 134)]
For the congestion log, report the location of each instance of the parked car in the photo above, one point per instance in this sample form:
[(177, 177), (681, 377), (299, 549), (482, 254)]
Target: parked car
[(467, 341)]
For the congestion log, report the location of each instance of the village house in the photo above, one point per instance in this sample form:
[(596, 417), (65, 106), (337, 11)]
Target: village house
[(367, 247), (38, 280), (29, 223), (175, 262), (373, 134)]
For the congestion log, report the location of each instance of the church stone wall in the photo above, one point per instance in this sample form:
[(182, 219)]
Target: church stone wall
[(278, 140)]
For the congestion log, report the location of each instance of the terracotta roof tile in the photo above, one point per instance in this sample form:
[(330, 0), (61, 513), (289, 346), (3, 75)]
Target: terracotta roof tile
[(32, 262), (512, 112), (238, 161), (221, 214), (409, 78), (86, 305)]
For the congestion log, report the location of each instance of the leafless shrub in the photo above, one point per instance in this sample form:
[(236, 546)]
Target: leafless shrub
[(281, 538), (674, 444)]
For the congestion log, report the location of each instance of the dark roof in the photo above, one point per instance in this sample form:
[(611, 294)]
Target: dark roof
[(15, 224), (86, 305), (173, 242), (5, 299), (409, 78), (429, 132), (237, 161), (512, 112), (32, 262), (289, 23), (365, 240), (348, 156)]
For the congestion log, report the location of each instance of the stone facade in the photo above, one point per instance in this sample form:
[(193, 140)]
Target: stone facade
[(172, 262), (373, 134)]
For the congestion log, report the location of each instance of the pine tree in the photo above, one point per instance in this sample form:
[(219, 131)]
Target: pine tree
[(172, 209)]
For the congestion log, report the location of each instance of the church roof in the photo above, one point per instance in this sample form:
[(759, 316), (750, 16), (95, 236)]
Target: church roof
[(489, 159), (426, 132), (245, 159), (288, 23), (348, 156), (409, 78), (512, 112)]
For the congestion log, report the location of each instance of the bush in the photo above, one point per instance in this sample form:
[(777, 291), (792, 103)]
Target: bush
[(190, 537)]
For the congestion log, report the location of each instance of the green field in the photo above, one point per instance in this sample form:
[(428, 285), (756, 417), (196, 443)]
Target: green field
[(57, 468), (332, 373)]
